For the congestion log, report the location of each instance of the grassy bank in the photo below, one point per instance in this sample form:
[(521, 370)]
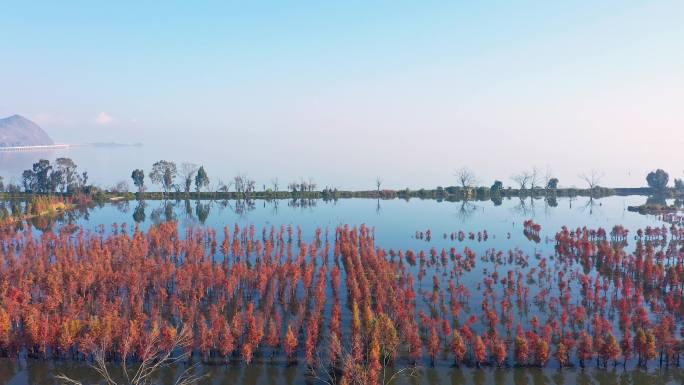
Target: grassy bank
[(36, 207)]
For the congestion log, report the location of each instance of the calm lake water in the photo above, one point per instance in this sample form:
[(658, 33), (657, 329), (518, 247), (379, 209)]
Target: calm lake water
[(396, 223), (42, 373)]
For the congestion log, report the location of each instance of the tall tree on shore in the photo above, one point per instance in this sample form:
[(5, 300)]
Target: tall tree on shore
[(38, 177), (657, 179), (201, 179), (69, 178), (163, 173), (552, 184), (496, 187), (138, 177), (679, 184), (548, 180)]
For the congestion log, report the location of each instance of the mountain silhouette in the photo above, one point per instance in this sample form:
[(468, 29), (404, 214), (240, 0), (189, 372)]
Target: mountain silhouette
[(16, 130)]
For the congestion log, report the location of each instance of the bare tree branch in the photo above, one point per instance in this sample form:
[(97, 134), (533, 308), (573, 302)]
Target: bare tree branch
[(154, 357), (522, 179), (465, 177), (592, 179)]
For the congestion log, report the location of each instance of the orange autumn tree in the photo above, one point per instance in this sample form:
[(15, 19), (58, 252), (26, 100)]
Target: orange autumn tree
[(291, 343), (610, 350), (458, 347), (479, 350), (627, 346), (522, 350), (585, 348), (500, 351), (562, 354), (542, 353)]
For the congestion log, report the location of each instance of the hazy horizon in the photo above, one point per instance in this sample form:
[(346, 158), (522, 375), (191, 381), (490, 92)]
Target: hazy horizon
[(345, 92)]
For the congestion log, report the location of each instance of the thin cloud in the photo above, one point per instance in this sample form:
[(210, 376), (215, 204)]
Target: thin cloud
[(103, 118)]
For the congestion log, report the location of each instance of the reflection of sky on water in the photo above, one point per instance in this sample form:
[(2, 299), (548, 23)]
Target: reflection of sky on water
[(396, 221)]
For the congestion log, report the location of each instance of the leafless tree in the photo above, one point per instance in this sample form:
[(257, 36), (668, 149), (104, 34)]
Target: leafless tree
[(223, 187), (524, 210), (592, 179), (274, 183), (535, 175), (465, 177), (120, 187), (250, 186), (188, 171), (522, 179), (466, 210), (293, 186), (244, 185), (378, 183), (591, 205), (156, 355), (548, 175), (275, 207), (239, 183)]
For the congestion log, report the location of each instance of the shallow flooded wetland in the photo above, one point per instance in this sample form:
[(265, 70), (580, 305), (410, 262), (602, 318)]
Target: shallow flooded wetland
[(353, 291)]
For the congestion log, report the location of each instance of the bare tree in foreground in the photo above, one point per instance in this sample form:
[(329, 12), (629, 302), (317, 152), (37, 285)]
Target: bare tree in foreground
[(378, 183), (158, 353)]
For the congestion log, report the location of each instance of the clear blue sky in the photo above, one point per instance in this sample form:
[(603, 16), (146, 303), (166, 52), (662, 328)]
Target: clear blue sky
[(344, 91)]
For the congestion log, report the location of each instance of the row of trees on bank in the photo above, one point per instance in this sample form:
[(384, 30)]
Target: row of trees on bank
[(535, 180), (169, 177), (63, 176), (165, 174)]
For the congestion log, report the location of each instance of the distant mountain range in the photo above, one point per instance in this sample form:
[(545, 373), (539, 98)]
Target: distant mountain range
[(16, 130)]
